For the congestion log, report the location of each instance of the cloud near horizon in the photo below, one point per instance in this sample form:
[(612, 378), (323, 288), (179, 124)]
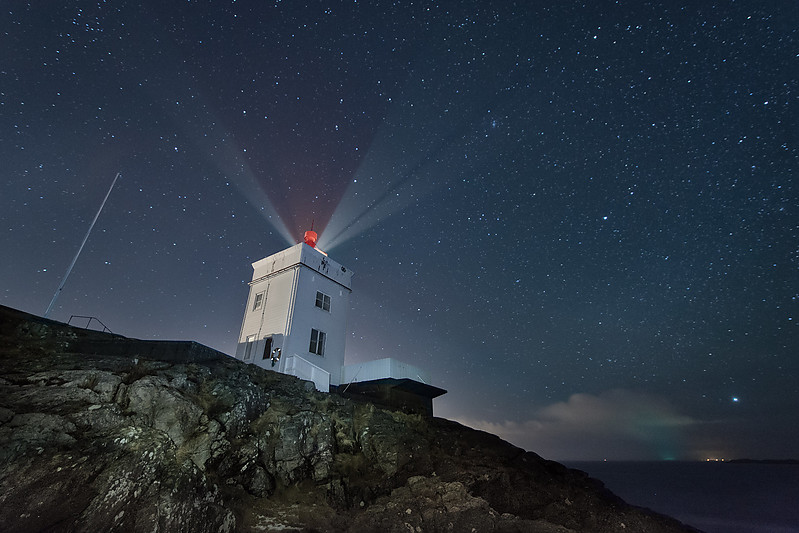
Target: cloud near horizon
[(615, 425)]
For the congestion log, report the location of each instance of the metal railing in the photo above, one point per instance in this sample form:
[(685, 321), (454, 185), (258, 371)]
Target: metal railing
[(88, 323)]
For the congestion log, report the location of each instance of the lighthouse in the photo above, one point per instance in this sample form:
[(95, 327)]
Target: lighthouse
[(295, 322)]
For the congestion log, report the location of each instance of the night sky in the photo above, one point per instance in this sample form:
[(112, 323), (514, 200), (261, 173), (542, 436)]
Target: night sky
[(580, 219)]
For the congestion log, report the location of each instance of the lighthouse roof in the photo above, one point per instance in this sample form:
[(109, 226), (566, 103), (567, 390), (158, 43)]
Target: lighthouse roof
[(302, 254)]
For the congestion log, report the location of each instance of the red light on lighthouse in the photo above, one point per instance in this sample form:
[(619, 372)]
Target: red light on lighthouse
[(310, 238)]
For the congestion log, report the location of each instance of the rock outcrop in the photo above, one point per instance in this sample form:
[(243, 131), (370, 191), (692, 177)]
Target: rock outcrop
[(93, 441)]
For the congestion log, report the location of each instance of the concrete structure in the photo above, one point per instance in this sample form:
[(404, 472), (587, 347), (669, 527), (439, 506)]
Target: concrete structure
[(391, 383), (296, 316), (296, 323)]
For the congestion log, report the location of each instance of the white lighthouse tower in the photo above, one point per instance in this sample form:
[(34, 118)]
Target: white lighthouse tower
[(296, 316), (295, 323)]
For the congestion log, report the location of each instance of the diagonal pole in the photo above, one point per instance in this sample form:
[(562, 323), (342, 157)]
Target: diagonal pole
[(75, 259)]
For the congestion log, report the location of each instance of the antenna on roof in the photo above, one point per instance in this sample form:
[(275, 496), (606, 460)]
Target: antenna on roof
[(75, 259)]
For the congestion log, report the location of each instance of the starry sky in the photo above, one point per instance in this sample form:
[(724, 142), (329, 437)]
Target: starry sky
[(580, 218)]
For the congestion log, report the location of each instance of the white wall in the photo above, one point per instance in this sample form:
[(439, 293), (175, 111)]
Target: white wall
[(382, 368), (275, 310), (333, 323), (289, 281)]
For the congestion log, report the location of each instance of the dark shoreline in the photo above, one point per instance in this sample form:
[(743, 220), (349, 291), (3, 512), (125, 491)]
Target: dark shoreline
[(750, 496), (765, 461), (699, 461)]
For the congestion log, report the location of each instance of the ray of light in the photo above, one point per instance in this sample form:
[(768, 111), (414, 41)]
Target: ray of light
[(221, 149), (413, 154), (230, 162)]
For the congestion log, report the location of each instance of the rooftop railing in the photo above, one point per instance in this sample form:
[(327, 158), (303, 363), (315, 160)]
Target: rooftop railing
[(90, 319)]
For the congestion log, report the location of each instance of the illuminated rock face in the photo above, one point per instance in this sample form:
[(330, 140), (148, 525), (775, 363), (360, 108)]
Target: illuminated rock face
[(188, 439), (295, 321)]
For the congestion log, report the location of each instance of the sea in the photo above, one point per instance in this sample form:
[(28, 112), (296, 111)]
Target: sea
[(715, 497)]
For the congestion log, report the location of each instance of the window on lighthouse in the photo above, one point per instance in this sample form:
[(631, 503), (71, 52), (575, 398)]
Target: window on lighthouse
[(259, 300), (322, 301), (317, 342)]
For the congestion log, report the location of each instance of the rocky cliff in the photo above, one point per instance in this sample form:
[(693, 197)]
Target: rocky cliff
[(144, 439)]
